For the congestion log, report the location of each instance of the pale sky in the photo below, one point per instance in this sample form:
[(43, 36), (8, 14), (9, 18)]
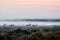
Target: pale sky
[(29, 9)]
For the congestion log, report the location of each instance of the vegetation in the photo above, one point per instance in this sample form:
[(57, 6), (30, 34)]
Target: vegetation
[(48, 33)]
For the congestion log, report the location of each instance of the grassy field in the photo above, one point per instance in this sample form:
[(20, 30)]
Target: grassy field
[(30, 33)]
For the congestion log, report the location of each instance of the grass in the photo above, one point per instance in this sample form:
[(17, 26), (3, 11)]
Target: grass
[(47, 33)]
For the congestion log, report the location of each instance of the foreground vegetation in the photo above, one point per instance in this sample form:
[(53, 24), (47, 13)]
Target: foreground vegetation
[(45, 33)]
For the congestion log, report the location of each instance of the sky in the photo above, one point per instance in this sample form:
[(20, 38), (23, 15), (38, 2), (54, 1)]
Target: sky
[(16, 9)]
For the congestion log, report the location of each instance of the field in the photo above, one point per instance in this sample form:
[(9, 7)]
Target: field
[(30, 32)]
